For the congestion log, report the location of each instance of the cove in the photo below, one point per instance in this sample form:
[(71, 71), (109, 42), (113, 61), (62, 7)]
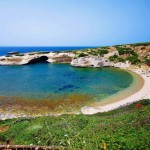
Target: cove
[(40, 81)]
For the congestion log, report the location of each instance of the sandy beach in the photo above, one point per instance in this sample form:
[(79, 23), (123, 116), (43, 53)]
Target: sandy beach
[(139, 91)]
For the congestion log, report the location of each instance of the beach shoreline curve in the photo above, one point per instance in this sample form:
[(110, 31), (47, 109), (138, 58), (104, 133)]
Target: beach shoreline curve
[(139, 90)]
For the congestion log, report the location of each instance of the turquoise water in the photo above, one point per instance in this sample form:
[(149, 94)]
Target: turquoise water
[(42, 80)]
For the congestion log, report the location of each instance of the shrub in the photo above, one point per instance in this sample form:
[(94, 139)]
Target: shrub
[(103, 51), (124, 50), (133, 59), (116, 58), (121, 59), (82, 55), (113, 58), (19, 55), (93, 53), (145, 102)]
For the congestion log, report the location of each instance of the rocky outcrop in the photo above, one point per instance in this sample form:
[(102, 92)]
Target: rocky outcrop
[(111, 53), (90, 61), (87, 61), (30, 58), (97, 61)]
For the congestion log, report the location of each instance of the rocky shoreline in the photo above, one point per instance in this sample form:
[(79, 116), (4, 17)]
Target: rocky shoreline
[(35, 57), (51, 57)]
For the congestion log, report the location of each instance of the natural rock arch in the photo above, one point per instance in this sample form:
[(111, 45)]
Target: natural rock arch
[(42, 59)]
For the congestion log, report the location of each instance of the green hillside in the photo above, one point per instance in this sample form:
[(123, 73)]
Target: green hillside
[(125, 128)]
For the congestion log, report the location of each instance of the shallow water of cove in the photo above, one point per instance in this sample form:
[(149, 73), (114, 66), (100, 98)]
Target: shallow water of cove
[(41, 81)]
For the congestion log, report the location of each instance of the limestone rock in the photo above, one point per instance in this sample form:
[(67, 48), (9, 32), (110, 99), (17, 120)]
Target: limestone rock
[(97, 61), (90, 61), (27, 58)]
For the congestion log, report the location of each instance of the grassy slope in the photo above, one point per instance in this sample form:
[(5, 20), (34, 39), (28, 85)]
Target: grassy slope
[(124, 128)]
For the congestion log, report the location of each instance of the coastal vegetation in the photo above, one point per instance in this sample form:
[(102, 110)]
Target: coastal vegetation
[(103, 51), (138, 53), (19, 54), (123, 128), (137, 44), (133, 59), (82, 55)]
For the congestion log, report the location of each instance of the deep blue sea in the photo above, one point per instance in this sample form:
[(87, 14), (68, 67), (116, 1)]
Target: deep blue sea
[(5, 50)]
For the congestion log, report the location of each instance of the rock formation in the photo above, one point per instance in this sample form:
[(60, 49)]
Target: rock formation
[(29, 58), (97, 61)]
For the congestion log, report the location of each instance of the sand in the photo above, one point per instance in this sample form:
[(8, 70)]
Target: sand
[(139, 89)]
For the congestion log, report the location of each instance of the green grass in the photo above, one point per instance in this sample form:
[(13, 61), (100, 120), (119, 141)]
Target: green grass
[(125, 128)]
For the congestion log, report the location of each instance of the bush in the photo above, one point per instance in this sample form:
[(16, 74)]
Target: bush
[(134, 53), (124, 50), (103, 51), (121, 59), (133, 59), (113, 58), (116, 58), (93, 53), (19, 55), (82, 55)]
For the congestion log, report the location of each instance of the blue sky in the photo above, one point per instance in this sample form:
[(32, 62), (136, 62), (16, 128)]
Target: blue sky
[(73, 22)]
